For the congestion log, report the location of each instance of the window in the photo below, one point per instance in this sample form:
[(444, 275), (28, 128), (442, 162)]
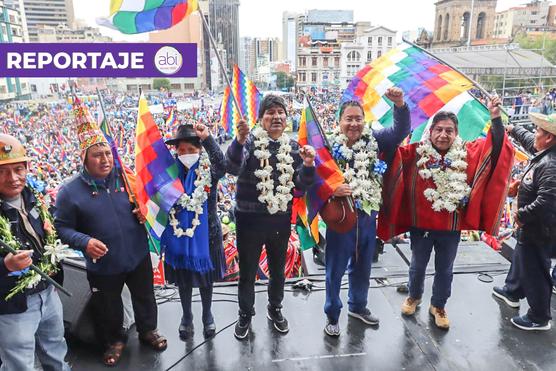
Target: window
[(302, 76), (370, 40), (439, 27), (325, 62), (369, 55), (446, 26), (464, 31), (379, 42), (313, 77), (353, 56), (336, 62), (389, 40), (379, 54), (314, 61), (302, 61), (481, 26)]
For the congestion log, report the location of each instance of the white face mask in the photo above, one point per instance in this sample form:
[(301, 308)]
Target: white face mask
[(189, 160)]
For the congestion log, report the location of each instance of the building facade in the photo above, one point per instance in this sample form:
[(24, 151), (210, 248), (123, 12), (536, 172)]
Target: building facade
[(62, 33), (224, 26), (460, 21), (370, 45), (534, 16), (290, 31), (11, 31), (44, 12)]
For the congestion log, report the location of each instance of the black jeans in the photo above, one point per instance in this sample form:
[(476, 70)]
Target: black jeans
[(106, 301), (252, 233), (529, 277)]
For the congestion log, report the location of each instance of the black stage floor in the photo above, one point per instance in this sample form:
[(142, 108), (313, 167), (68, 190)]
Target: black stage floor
[(481, 336)]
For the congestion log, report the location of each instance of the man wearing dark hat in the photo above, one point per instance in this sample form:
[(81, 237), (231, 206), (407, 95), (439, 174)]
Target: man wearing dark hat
[(529, 275), (31, 321), (269, 165), (94, 215), (195, 250)]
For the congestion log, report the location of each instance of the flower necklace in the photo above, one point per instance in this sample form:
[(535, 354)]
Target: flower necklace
[(275, 199), (54, 250), (365, 178), (448, 174), (195, 202)]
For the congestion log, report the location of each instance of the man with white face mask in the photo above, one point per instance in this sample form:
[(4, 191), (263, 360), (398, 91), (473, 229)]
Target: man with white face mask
[(192, 242)]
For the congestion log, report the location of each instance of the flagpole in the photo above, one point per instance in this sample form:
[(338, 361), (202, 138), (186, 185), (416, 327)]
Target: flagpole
[(222, 68), (123, 173)]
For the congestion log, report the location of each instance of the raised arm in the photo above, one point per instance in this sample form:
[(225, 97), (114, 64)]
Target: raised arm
[(390, 138)]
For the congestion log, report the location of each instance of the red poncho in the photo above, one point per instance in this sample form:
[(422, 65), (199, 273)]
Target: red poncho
[(405, 206)]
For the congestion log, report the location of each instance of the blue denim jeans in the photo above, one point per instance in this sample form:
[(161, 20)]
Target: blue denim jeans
[(353, 250), (39, 329), (445, 245)]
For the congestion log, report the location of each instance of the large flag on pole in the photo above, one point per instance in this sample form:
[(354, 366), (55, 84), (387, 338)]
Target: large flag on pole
[(328, 175), (158, 186), (429, 86), (138, 16), (248, 97)]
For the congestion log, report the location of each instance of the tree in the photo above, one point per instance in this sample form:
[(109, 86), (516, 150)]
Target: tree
[(284, 81), (536, 42), (161, 83)]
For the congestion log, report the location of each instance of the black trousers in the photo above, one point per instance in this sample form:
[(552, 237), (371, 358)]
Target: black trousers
[(252, 234), (108, 310), (529, 277)]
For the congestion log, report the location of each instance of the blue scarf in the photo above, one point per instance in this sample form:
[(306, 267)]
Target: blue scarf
[(190, 253)]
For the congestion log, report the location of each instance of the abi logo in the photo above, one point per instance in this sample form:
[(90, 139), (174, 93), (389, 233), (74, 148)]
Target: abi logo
[(168, 60)]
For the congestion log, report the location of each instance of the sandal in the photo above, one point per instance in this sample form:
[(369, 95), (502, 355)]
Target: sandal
[(112, 355), (154, 340)]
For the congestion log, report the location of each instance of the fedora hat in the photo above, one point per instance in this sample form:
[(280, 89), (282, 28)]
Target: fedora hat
[(184, 132), (545, 122), (339, 214)]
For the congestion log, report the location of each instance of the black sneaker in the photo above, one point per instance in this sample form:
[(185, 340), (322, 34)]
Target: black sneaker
[(524, 323), (209, 330), (365, 316), (280, 323), (242, 327), (503, 295), (186, 331)]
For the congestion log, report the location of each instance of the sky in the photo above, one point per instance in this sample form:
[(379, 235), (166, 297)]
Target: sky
[(263, 18)]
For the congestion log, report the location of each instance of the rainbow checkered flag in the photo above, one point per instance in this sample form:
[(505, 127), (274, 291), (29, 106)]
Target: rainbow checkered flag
[(138, 16), (429, 86), (158, 186), (248, 97)]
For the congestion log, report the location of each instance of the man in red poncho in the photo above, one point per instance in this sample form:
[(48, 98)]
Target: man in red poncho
[(445, 186)]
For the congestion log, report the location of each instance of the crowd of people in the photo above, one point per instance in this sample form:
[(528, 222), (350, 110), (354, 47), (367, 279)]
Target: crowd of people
[(433, 190)]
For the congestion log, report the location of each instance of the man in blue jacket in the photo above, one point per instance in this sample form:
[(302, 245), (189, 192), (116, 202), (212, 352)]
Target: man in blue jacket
[(94, 215), (31, 321)]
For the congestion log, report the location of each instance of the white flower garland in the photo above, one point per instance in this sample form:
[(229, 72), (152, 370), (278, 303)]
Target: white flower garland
[(364, 180), (275, 200), (448, 174), (197, 199)]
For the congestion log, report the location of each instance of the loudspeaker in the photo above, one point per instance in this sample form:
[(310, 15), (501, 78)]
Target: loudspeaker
[(78, 319)]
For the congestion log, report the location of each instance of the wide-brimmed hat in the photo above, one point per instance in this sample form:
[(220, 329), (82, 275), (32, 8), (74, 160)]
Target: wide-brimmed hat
[(545, 122), (184, 132), (339, 214)]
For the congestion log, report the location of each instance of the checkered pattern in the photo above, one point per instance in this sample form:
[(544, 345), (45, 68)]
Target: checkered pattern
[(428, 85)]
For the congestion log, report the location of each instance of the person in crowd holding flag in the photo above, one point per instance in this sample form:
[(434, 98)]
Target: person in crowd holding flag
[(192, 242), (356, 148), (269, 165), (529, 275), (31, 319), (445, 185), (94, 215)]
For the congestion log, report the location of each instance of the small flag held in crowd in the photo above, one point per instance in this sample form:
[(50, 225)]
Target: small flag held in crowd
[(138, 16), (171, 120), (248, 98), (158, 186), (428, 85)]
